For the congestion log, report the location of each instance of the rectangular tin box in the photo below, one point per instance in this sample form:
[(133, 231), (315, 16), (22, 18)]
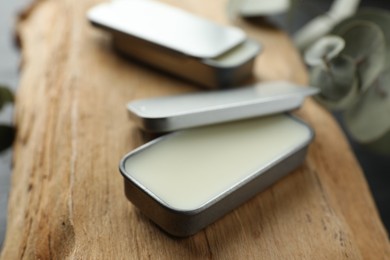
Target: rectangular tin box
[(170, 113), (177, 42), (185, 223)]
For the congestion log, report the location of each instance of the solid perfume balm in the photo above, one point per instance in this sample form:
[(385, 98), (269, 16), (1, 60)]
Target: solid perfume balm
[(185, 180)]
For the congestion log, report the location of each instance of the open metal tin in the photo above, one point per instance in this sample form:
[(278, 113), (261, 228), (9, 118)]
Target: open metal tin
[(178, 42), (186, 180)]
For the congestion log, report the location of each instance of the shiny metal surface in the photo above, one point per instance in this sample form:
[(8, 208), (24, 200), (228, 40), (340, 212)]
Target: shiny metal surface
[(190, 110), (166, 26), (225, 70), (185, 223)]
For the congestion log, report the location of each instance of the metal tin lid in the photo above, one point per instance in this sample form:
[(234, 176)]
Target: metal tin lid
[(171, 113), (167, 26)]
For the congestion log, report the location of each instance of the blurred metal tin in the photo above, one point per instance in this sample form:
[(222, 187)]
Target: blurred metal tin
[(210, 73), (164, 114), (178, 42), (184, 223)]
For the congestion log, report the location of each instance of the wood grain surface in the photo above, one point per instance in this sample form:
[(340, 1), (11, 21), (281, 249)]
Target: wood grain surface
[(67, 199)]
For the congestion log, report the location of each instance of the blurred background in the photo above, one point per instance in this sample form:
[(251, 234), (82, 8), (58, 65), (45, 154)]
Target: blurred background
[(376, 167), (9, 77)]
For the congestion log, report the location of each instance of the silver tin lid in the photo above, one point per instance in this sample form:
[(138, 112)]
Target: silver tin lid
[(166, 26), (164, 114)]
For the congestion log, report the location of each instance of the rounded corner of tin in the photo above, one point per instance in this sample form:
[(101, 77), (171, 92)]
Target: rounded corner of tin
[(259, 46), (221, 66), (150, 124), (122, 165), (310, 129)]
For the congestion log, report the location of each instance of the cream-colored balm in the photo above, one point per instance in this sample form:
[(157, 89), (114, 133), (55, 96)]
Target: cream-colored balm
[(190, 168)]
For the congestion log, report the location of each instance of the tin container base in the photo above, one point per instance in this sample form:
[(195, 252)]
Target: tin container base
[(177, 41), (228, 69), (186, 180), (179, 224)]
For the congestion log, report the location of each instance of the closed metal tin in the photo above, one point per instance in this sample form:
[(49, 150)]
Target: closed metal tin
[(183, 223), (178, 42)]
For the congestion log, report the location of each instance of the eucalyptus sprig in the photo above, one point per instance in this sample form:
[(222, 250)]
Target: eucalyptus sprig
[(7, 132), (6, 96), (355, 79)]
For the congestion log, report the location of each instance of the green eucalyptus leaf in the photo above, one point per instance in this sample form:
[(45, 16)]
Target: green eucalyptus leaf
[(366, 44), (323, 50), (6, 96), (337, 81), (382, 145), (324, 23), (368, 119), (7, 135), (313, 30), (380, 17)]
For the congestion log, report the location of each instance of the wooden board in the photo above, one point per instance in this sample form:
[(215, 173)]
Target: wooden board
[(67, 198)]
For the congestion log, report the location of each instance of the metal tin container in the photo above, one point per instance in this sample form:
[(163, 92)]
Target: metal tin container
[(169, 113), (178, 42), (184, 203)]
